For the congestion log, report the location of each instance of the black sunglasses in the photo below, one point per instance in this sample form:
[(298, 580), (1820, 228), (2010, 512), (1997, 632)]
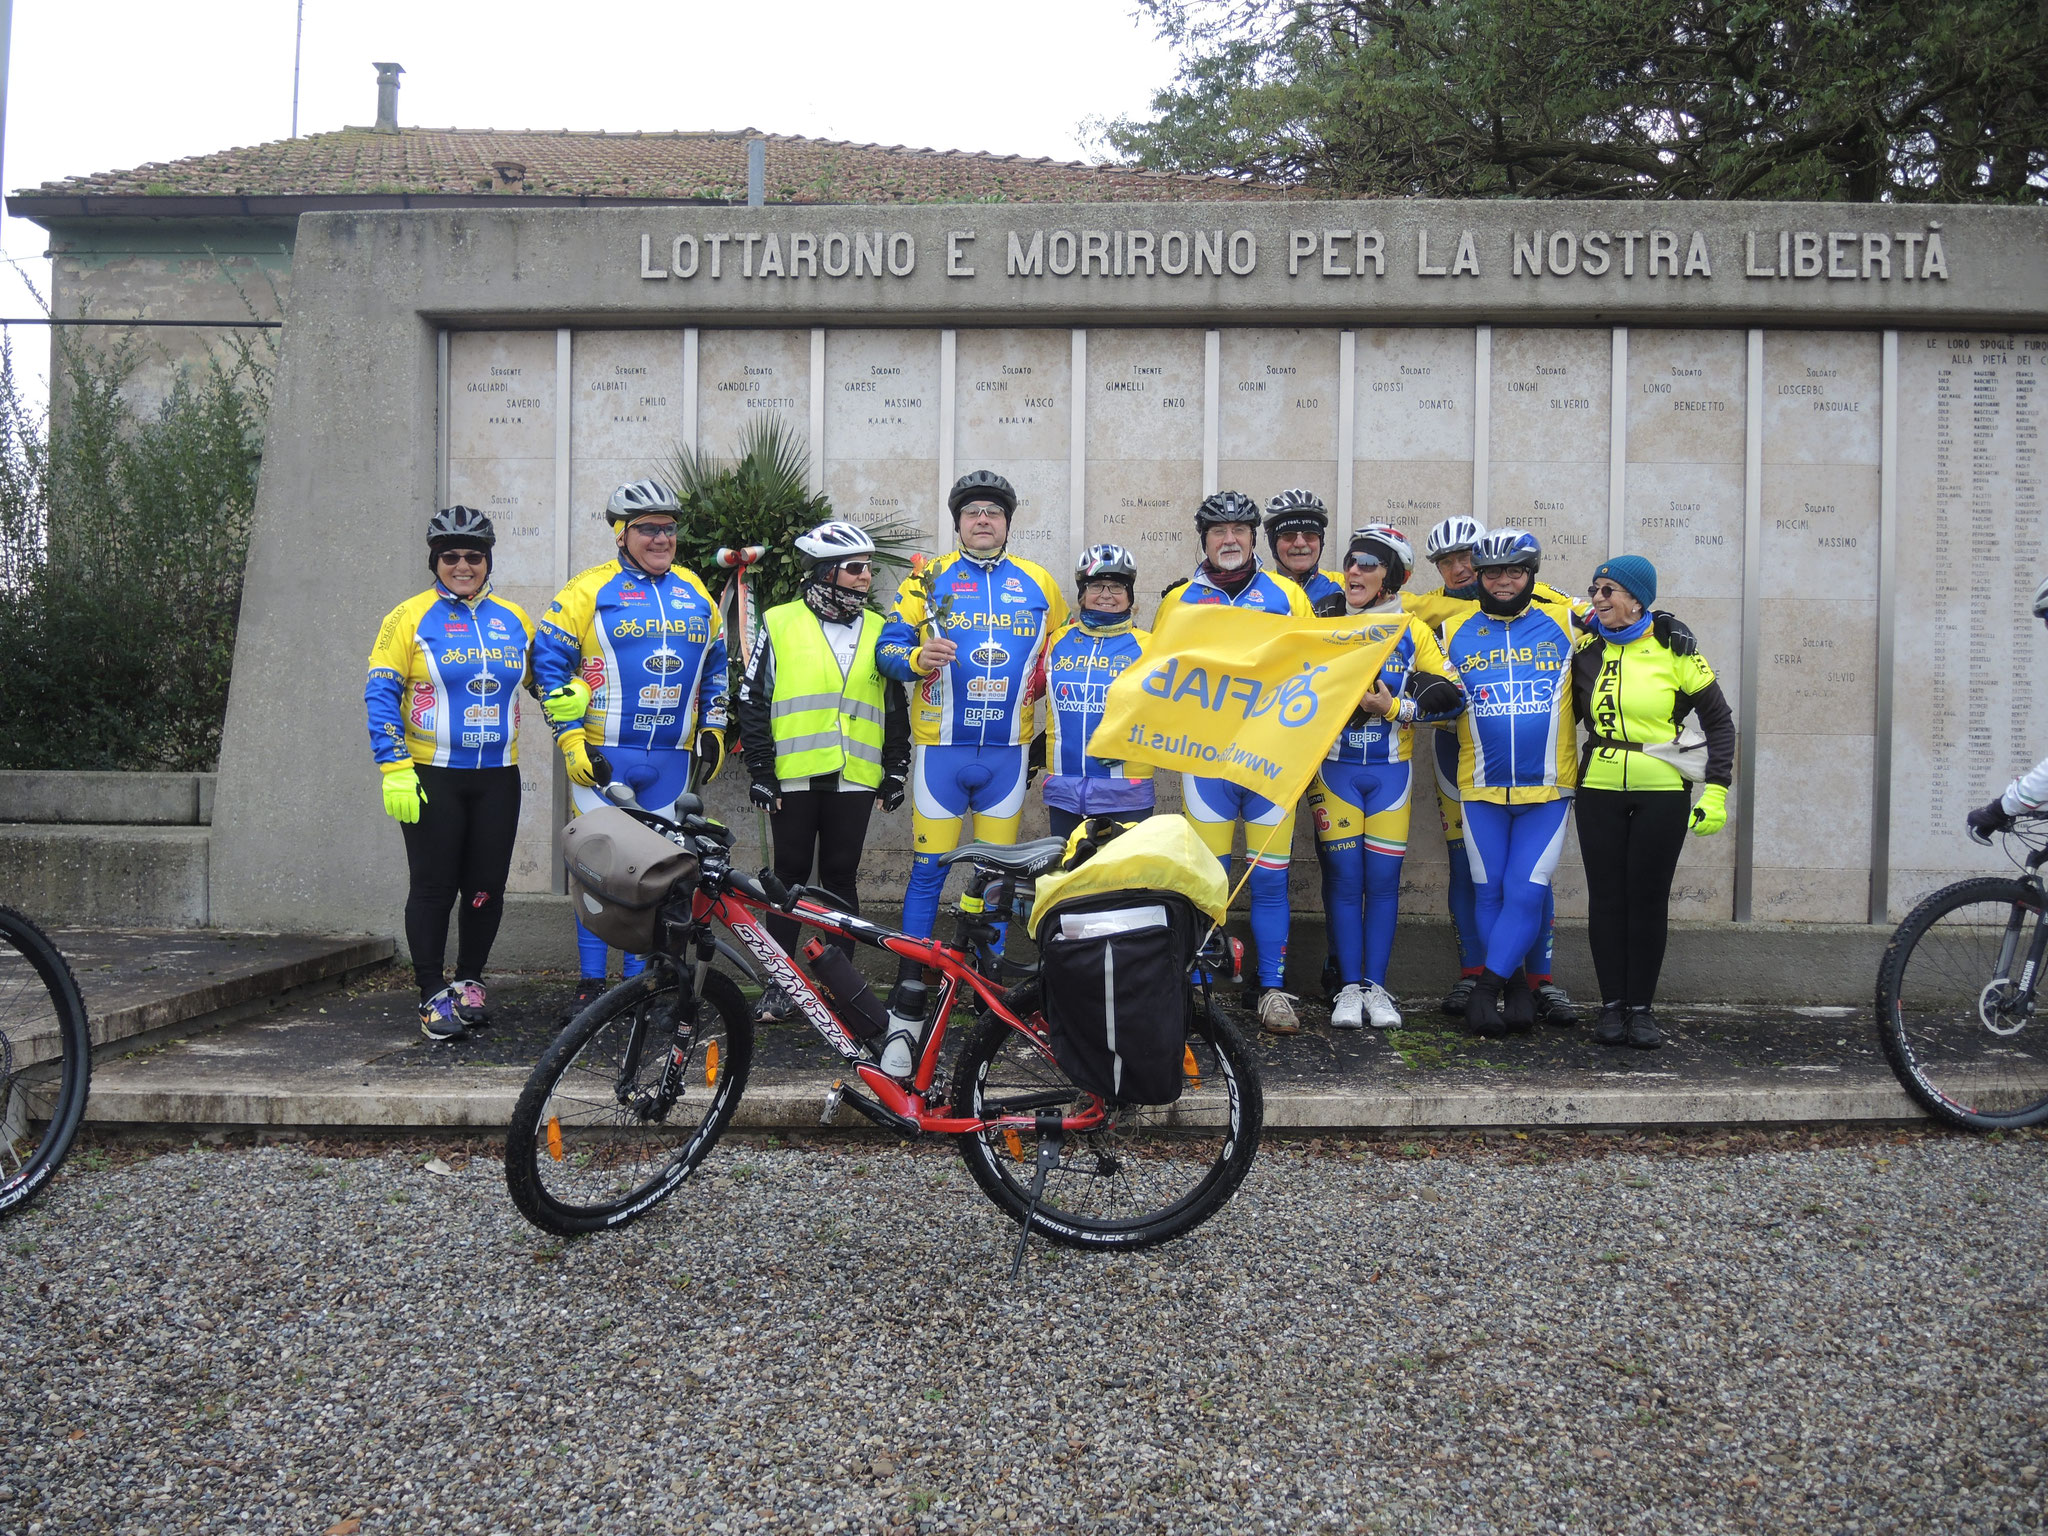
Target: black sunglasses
[(463, 557)]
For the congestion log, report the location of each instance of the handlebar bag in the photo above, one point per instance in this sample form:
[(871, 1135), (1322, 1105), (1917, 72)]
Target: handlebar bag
[(619, 871), (1117, 998)]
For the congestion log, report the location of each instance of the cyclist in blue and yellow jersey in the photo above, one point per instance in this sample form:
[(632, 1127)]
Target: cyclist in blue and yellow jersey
[(967, 634), (1296, 525), (444, 720), (631, 658), (1449, 548), (1517, 764), (1227, 523), (1085, 656), (1360, 802)]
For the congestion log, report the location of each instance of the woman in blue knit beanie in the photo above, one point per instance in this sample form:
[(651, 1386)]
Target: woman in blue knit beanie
[(1636, 676)]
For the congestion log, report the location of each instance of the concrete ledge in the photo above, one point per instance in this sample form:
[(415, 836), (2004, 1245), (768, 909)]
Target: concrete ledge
[(485, 1102), (220, 999), (143, 877), (108, 799)]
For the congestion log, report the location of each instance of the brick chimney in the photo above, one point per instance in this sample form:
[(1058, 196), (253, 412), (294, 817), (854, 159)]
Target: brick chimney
[(387, 97)]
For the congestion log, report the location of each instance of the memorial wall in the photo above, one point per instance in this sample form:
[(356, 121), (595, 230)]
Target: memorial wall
[(1839, 483)]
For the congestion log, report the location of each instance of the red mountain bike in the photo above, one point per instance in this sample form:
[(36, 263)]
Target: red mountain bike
[(637, 1089)]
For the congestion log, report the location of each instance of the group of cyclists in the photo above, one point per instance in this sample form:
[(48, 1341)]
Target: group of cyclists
[(982, 678)]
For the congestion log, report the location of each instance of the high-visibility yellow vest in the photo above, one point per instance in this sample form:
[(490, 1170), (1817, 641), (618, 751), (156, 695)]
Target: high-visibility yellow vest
[(824, 722)]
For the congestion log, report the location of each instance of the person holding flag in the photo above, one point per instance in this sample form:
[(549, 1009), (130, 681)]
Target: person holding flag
[(1517, 764), (631, 660), (1227, 524), (966, 635), (1360, 802), (1074, 674)]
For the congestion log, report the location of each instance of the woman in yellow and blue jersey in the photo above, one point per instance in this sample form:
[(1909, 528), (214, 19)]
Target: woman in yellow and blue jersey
[(443, 710), (1517, 764), (1074, 673), (1227, 523), (631, 655), (1360, 803)]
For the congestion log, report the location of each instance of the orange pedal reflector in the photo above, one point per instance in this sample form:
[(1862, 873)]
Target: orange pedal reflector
[(711, 1063), (555, 1137), (1188, 1066), (1015, 1144)]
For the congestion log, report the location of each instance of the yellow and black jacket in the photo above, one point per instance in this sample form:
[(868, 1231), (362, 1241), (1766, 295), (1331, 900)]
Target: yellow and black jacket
[(1639, 694)]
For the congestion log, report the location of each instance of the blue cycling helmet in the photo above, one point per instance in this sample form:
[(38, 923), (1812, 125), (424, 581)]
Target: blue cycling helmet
[(1507, 547)]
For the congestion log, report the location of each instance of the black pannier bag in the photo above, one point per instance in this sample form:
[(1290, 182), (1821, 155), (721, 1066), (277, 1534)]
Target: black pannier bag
[(1117, 997)]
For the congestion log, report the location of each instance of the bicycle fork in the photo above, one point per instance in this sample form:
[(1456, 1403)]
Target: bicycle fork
[(2005, 1006)]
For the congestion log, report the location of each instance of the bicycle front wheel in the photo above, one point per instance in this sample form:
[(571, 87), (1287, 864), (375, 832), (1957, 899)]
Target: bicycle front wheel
[(1151, 1173), (1956, 1011), (607, 1127), (45, 1059)]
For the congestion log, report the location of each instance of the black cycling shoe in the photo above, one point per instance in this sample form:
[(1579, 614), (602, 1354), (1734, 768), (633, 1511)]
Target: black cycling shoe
[(1518, 1005), (1482, 1008), (1643, 1032), (1554, 1006), (1613, 1026), (1454, 1002), (588, 990)]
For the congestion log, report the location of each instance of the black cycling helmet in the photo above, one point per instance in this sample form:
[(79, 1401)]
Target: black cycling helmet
[(1294, 512), (459, 527), (1226, 507), (981, 485)]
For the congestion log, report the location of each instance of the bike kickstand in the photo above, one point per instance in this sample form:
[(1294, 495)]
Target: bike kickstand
[(1048, 1156)]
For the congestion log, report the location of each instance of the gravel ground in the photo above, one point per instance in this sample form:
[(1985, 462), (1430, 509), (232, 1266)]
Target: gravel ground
[(1839, 1338)]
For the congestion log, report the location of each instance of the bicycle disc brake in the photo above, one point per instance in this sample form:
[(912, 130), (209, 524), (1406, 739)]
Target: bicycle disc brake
[(2002, 1010)]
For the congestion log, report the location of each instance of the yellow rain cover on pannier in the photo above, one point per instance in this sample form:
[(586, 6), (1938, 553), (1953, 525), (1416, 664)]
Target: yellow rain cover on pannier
[(1160, 853)]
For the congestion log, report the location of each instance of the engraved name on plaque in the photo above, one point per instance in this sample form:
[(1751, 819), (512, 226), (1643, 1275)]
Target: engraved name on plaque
[(1817, 668), (1412, 438), (625, 424), (1013, 413), (1277, 414), (744, 377), (1547, 450), (1144, 430), (1973, 408), (501, 460), (882, 411)]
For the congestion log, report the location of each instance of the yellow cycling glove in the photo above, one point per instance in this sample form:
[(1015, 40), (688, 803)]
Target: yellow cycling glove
[(567, 704), (1711, 814), (403, 795), (710, 754), (576, 756)]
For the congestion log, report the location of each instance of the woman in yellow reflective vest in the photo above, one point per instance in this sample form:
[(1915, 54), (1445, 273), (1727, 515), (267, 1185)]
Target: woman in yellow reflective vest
[(826, 735)]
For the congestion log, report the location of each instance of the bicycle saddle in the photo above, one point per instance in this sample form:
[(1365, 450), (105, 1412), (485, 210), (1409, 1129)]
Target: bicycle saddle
[(1032, 858)]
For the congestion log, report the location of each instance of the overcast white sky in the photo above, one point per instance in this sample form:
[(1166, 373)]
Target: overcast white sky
[(118, 83)]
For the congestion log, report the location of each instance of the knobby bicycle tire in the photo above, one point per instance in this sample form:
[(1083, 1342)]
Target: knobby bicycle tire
[(45, 1059), (1154, 1173), (1932, 991), (579, 1160)]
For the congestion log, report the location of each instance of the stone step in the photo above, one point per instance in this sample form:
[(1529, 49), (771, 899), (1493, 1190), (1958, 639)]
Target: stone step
[(119, 876), (108, 799)]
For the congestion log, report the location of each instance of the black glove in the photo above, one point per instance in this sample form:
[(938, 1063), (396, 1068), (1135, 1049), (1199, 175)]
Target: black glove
[(1987, 820), (890, 793), (1034, 760), (763, 795), (1672, 634), (710, 750)]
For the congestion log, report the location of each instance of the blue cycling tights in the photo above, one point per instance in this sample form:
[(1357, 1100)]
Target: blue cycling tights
[(1513, 851)]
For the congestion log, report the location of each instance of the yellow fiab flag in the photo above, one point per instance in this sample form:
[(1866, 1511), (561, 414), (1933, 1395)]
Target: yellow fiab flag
[(1255, 698)]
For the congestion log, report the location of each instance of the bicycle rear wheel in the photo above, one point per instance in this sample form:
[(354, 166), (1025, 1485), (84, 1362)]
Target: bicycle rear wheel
[(1962, 1036), (1151, 1173), (45, 1059), (590, 1146)]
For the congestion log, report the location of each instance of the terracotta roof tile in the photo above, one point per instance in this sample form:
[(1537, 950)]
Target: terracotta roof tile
[(708, 165)]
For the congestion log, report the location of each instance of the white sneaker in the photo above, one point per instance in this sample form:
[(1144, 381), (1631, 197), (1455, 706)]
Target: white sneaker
[(1380, 1011), (1348, 1012), (899, 1055), (1276, 1013)]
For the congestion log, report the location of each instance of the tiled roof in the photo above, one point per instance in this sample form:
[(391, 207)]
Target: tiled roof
[(467, 162)]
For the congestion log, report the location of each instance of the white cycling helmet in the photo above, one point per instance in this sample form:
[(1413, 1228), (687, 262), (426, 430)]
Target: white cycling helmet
[(1452, 535), (1392, 548), (639, 499), (830, 543), (2041, 599)]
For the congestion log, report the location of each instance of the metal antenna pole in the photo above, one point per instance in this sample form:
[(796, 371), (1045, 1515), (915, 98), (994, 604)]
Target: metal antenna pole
[(298, 40)]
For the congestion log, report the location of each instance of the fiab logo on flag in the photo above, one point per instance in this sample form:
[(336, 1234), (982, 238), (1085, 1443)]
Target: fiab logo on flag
[(1255, 698)]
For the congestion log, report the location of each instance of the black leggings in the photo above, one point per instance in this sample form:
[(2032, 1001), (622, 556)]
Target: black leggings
[(462, 843), (1630, 840), (828, 827)]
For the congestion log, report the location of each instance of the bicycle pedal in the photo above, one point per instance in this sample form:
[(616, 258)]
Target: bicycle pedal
[(833, 1096)]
